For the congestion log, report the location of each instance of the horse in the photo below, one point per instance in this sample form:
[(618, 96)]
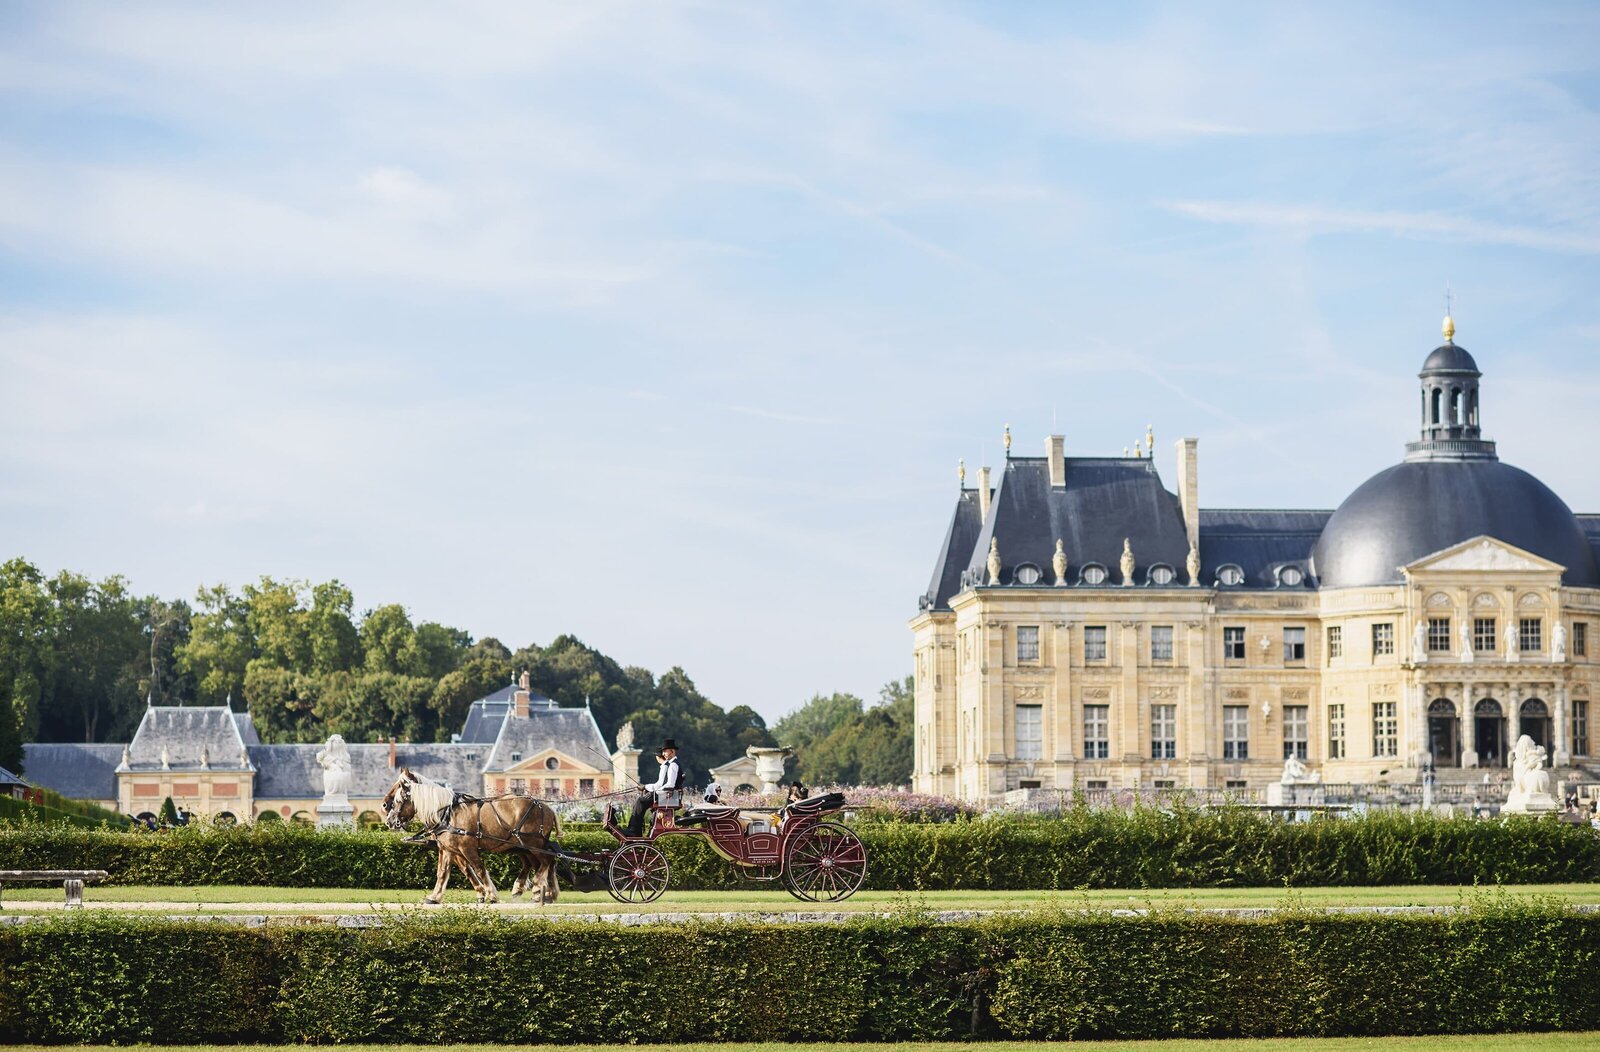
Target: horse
[(464, 826)]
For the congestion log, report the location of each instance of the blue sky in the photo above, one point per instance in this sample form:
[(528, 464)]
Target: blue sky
[(665, 324)]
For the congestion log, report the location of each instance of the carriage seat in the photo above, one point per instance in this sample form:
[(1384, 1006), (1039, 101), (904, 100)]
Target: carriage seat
[(816, 804)]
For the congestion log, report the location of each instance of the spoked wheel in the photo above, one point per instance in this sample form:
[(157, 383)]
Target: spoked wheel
[(826, 863), (637, 873)]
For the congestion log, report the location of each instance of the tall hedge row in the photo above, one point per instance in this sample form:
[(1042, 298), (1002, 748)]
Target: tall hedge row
[(1082, 849), (466, 979)]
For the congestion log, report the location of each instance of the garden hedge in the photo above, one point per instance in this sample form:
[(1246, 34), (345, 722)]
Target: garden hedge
[(463, 977), (1081, 849)]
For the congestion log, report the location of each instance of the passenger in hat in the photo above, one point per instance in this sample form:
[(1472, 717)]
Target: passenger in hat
[(665, 789)]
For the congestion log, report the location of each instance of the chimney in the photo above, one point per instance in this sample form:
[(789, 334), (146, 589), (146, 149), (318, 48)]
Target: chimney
[(391, 752), (983, 494), (1189, 488), (519, 705), (1055, 448)]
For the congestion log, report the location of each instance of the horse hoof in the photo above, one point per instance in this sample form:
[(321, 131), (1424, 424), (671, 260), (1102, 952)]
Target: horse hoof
[(431, 902)]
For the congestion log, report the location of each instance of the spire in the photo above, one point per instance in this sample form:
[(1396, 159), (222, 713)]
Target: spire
[(1007, 441), (961, 472)]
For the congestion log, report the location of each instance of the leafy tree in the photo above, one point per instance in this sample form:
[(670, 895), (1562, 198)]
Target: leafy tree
[(26, 659), (167, 627), (100, 655), (169, 812), (279, 624), (335, 643), (439, 649), (389, 642), (856, 745), (220, 645), (487, 668), (282, 703)]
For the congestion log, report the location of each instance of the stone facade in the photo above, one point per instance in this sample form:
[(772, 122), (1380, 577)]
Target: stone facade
[(1031, 678)]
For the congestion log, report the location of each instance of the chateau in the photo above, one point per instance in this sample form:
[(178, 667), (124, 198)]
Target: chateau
[(1088, 627)]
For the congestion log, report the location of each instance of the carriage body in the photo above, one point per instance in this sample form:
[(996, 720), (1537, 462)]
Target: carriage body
[(816, 859)]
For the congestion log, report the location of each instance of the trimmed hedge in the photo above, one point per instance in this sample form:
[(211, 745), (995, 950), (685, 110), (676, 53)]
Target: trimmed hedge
[(465, 977), (14, 810), (1081, 849)]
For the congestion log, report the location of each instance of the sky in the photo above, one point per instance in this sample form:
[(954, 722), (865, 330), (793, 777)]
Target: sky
[(665, 324)]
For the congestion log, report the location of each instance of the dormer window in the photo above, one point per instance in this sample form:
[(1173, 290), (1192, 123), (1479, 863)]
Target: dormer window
[(1092, 573), (1230, 576), (1161, 574), (516, 757), (1291, 577), (1027, 573)]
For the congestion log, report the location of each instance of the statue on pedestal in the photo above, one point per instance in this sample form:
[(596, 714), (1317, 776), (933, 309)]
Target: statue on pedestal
[(1558, 643), (1419, 643), (994, 560), (334, 759), (1126, 564), (1512, 647), (1058, 563), (1530, 782), (1192, 564)]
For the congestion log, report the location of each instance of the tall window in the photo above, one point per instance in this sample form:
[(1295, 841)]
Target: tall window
[(1160, 642), (585, 785), (1236, 732), (1296, 731), (1163, 732), (1383, 639), (1580, 727), (1483, 635), (1233, 643), (1096, 732), (1030, 732), (1439, 635), (1094, 643), (1580, 638), (1530, 634), (1385, 733), (1335, 641), (1027, 643), (1336, 731), (1294, 645)]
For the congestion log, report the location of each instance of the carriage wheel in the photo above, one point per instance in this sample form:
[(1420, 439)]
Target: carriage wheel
[(637, 873), (826, 863)]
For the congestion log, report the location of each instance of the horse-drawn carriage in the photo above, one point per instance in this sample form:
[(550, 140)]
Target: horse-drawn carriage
[(817, 860)]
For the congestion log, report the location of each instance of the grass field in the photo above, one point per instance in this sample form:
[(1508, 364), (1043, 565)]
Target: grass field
[(336, 900), (1472, 1043)]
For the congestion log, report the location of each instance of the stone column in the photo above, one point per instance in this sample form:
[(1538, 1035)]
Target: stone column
[(1469, 727), (1561, 747), (1061, 709)]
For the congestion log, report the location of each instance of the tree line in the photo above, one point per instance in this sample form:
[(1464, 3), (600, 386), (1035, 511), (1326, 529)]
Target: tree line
[(79, 659)]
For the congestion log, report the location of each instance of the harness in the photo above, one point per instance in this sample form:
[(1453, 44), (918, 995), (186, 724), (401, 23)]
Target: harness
[(442, 823)]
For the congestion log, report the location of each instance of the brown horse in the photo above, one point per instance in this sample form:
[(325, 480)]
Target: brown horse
[(463, 827)]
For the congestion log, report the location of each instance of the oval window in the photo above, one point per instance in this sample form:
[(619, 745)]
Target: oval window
[(1291, 576), (1027, 573), (1230, 575), (551, 764), (1161, 575), (1094, 573)]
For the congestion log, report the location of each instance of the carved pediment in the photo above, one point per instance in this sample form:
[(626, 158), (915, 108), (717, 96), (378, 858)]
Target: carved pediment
[(1484, 554)]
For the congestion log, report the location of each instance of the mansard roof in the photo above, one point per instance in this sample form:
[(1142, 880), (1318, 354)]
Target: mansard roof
[(956, 552), (77, 770), (291, 772), (571, 732), (184, 732)]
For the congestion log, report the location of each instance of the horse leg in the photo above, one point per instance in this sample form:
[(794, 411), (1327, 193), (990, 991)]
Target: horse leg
[(486, 892), (522, 884), (552, 886), (443, 879)]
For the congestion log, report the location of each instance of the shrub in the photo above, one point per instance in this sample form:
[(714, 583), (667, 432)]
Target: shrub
[(1080, 849), (463, 977), (14, 810)]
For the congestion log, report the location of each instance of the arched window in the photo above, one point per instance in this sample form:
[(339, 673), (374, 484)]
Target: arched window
[(1487, 707), (1456, 413), (1438, 396), (1230, 575), (1092, 573), (1026, 574), (1472, 409), (1441, 707)]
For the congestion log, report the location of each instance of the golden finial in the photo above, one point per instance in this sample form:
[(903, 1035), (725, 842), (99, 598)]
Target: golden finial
[(1008, 440), (1449, 329), (1124, 450), (1138, 451), (1150, 437), (961, 472)]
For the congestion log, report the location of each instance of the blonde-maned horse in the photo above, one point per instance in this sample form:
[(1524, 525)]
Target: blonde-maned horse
[(463, 827)]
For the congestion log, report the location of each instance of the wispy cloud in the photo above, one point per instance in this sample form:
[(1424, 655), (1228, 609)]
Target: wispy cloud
[(1436, 226)]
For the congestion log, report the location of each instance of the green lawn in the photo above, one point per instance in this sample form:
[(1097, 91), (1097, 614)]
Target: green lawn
[(1474, 1043), (331, 900)]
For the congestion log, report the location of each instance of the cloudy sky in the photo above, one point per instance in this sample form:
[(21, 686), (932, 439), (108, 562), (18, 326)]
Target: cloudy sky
[(665, 324)]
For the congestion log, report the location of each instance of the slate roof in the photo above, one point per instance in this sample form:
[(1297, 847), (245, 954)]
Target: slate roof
[(247, 728), (486, 714), (1259, 542), (79, 770), (956, 552), (291, 772), (569, 731), (7, 778), (1590, 524), (183, 731)]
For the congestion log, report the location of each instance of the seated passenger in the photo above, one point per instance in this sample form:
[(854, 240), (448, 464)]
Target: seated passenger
[(713, 794)]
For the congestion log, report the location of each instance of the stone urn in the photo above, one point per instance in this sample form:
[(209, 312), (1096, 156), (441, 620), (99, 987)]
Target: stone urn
[(769, 765)]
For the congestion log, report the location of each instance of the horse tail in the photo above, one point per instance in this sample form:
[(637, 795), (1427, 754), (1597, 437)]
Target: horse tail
[(555, 823)]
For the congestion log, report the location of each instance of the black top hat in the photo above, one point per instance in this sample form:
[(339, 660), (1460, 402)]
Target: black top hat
[(669, 744)]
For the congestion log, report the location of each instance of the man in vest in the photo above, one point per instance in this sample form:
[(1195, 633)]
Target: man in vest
[(667, 787)]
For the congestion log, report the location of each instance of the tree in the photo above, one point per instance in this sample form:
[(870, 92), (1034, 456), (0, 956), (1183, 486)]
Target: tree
[(439, 649), (220, 645), (167, 626), (335, 643), (279, 624), (389, 642), (837, 741), (26, 659), (100, 654), (486, 669)]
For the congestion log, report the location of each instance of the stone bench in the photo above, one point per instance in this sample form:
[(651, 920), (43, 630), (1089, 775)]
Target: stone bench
[(72, 880)]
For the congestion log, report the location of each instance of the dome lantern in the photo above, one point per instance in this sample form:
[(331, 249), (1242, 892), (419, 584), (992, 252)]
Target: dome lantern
[(1450, 426)]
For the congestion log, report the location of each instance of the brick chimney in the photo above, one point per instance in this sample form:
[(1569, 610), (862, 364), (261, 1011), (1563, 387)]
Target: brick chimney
[(983, 494), (391, 752), (519, 700), (1189, 488)]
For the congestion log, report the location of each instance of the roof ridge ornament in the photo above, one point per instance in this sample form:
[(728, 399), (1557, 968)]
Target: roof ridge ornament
[(1126, 563), (1192, 564), (1007, 440), (961, 472), (994, 560), (1058, 563)]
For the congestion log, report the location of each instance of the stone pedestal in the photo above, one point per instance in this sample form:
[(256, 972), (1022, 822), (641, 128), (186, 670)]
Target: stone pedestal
[(332, 814), (1518, 803)]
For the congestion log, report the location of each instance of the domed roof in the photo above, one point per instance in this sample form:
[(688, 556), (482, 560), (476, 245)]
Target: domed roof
[(1421, 507), (1449, 357)]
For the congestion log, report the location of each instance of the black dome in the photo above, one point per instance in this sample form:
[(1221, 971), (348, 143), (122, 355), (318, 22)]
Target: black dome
[(1449, 358), (1417, 508)]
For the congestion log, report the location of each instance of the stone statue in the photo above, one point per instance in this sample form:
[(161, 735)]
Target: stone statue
[(1419, 643), (625, 736), (1465, 637), (1058, 563), (1558, 643), (127, 760), (1513, 652), (1192, 564), (166, 758), (1295, 772), (334, 758), (1126, 564), (1530, 782), (205, 757), (994, 560)]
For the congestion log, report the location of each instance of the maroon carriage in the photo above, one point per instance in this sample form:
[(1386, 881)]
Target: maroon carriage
[(816, 858)]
